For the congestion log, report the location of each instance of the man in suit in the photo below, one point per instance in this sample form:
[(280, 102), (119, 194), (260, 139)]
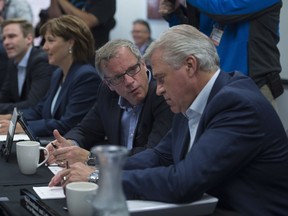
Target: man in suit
[(226, 138), (128, 113), (28, 76)]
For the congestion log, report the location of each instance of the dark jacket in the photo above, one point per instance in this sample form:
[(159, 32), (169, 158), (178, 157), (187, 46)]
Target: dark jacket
[(239, 155), (103, 122), (36, 84), (77, 96)]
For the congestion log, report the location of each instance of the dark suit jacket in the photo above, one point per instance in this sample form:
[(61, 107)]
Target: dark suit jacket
[(36, 84), (3, 64), (240, 155), (104, 120), (78, 94)]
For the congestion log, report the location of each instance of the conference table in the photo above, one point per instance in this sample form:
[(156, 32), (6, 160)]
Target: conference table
[(17, 197)]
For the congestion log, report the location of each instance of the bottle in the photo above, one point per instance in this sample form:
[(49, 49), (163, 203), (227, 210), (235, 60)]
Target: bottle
[(109, 199)]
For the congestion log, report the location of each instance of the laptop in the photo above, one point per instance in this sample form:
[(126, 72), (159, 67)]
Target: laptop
[(18, 118), (6, 149), (43, 140)]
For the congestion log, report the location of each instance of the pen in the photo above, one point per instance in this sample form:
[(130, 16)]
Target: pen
[(54, 146), (67, 165)]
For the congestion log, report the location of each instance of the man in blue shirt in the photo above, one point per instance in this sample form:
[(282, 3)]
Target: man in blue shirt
[(129, 113), (28, 71)]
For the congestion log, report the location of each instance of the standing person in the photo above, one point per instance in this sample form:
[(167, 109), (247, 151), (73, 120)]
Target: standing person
[(11, 9), (130, 113), (235, 150), (28, 71), (98, 15), (69, 44), (141, 34), (246, 34)]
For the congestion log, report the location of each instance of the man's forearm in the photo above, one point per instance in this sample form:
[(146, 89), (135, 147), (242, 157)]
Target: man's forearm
[(88, 18)]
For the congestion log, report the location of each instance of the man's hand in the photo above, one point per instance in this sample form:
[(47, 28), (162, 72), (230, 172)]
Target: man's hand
[(4, 125), (77, 172), (166, 7), (5, 116), (63, 150), (58, 143)]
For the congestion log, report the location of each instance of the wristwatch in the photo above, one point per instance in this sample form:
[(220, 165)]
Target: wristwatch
[(91, 160), (94, 177)]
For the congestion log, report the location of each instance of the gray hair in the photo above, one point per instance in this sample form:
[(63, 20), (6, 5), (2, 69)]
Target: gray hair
[(180, 41), (110, 50)]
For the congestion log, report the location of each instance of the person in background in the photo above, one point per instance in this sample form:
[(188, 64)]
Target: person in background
[(226, 138), (98, 15), (141, 34), (28, 71), (246, 34), (3, 64), (130, 113), (11, 9), (69, 44)]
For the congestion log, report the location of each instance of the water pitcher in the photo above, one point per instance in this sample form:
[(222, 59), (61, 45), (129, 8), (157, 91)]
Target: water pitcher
[(109, 199)]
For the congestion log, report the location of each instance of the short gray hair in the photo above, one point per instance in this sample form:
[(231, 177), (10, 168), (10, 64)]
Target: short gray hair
[(110, 50), (180, 41)]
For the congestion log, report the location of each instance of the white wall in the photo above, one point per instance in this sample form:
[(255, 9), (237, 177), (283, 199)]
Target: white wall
[(37, 5)]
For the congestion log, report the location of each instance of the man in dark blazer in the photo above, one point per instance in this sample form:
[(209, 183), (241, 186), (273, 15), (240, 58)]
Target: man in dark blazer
[(226, 138), (237, 146), (25, 90), (3, 63), (133, 90)]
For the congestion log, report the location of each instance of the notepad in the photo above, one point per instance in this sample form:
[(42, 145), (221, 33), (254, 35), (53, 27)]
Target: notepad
[(46, 192)]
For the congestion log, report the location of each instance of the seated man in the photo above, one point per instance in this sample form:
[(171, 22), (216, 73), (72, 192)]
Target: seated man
[(129, 113), (28, 71), (226, 139)]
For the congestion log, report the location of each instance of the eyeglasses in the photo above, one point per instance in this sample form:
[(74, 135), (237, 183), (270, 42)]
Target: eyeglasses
[(132, 71)]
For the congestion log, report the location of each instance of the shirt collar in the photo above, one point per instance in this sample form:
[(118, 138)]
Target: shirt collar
[(24, 61), (198, 105)]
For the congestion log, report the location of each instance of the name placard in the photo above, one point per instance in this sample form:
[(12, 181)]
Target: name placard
[(34, 205)]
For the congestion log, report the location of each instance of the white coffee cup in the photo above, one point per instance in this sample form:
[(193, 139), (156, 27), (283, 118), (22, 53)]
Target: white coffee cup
[(28, 154), (78, 195)]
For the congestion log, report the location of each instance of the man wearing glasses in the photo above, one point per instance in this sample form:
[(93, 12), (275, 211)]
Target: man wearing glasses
[(128, 113)]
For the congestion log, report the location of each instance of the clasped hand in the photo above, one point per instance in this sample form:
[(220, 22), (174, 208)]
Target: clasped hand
[(64, 150), (76, 172)]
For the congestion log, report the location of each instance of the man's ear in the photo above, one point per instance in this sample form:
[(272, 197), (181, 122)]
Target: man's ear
[(29, 39), (191, 65)]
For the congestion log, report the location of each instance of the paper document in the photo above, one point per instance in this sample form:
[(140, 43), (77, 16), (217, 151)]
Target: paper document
[(17, 137), (54, 168), (46, 192)]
